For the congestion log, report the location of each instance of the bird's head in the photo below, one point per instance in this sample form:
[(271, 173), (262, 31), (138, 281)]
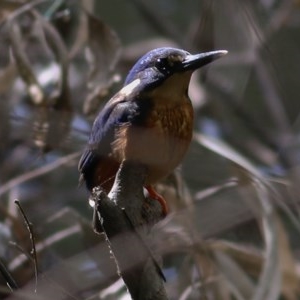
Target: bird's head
[(160, 64), (166, 72)]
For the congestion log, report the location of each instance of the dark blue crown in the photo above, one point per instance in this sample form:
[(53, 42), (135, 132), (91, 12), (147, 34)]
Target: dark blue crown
[(149, 60)]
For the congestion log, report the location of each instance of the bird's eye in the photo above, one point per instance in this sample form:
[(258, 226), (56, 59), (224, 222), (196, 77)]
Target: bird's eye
[(162, 64), (168, 64)]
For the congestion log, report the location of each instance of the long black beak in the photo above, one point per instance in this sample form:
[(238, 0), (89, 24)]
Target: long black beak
[(193, 62)]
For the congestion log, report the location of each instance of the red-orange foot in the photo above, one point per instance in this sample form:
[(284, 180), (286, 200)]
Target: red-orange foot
[(154, 195)]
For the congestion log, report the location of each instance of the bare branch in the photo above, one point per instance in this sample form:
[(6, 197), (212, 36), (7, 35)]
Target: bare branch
[(58, 48), (125, 216), (37, 172), (34, 89)]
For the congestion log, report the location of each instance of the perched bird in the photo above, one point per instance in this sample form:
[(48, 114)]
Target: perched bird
[(149, 121)]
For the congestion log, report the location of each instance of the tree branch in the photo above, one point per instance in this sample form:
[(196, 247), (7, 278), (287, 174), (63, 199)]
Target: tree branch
[(125, 216)]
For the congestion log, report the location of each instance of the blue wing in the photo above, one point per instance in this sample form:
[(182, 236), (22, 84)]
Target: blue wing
[(119, 111)]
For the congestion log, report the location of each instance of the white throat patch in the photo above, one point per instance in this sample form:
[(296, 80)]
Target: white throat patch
[(127, 90)]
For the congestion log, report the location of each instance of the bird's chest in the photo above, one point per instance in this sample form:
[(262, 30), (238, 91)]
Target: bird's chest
[(160, 140), (171, 122)]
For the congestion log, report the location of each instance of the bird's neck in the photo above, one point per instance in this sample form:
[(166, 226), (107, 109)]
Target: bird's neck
[(173, 91)]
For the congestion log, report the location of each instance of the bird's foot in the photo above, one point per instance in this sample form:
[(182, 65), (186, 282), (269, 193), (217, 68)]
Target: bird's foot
[(154, 195)]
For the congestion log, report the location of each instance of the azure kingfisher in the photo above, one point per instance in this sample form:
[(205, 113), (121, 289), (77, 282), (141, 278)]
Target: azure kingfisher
[(149, 121)]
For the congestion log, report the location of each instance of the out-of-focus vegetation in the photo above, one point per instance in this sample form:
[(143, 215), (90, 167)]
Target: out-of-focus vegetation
[(233, 232)]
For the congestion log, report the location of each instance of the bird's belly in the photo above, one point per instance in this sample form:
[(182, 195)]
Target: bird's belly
[(160, 143)]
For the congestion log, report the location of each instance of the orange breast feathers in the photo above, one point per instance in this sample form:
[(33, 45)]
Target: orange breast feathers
[(160, 143)]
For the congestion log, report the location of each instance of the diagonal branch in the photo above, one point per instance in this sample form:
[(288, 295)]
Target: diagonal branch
[(125, 216)]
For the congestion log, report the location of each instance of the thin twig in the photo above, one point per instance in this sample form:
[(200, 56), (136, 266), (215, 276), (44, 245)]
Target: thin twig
[(161, 24), (23, 252), (24, 8), (265, 79), (268, 286), (11, 283), (43, 276), (37, 172), (32, 239), (42, 246)]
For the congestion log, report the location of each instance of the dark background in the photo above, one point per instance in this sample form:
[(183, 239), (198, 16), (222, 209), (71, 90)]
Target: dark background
[(233, 230)]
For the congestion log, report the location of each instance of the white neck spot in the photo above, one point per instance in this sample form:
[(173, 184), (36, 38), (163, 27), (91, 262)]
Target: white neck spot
[(128, 89)]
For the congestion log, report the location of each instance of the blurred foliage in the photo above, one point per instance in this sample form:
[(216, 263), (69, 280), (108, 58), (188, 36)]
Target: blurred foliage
[(233, 232)]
